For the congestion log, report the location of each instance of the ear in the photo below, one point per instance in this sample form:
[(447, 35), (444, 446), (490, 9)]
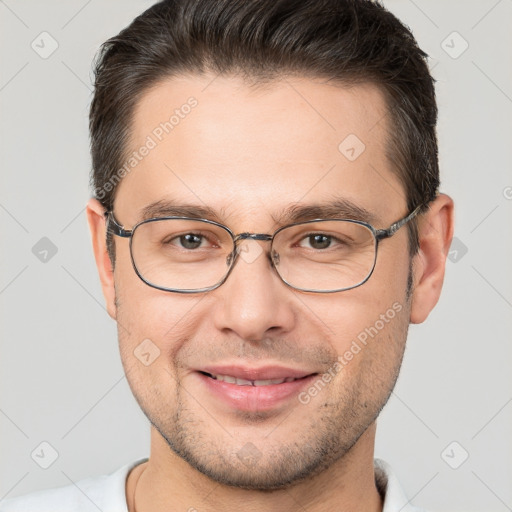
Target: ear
[(97, 225), (435, 232)]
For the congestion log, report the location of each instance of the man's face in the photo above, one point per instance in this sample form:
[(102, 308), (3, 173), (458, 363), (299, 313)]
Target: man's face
[(249, 154)]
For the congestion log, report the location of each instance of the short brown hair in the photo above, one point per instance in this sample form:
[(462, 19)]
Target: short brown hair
[(346, 41)]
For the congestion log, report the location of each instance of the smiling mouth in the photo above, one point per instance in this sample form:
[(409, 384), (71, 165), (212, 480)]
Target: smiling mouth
[(245, 382)]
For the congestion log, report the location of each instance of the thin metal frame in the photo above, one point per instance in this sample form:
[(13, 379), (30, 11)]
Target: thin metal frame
[(378, 234)]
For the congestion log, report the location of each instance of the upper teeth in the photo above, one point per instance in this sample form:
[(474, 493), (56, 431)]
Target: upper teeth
[(245, 382)]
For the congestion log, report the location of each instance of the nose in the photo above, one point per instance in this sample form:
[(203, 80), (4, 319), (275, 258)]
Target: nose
[(254, 301)]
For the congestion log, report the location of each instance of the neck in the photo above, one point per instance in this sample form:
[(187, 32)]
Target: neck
[(167, 482)]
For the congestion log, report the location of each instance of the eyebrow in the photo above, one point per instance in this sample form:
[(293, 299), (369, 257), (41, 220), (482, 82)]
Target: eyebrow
[(336, 208), (170, 208)]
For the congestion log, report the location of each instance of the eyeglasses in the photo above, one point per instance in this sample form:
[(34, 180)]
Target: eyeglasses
[(188, 255)]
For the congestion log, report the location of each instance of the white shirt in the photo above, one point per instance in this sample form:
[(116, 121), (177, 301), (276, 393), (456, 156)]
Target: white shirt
[(107, 493)]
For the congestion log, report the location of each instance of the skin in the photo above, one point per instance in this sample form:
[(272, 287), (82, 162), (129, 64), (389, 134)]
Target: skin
[(249, 153)]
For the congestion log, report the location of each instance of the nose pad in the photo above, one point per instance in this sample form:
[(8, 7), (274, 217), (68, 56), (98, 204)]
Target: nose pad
[(274, 256), (250, 250), (229, 258)]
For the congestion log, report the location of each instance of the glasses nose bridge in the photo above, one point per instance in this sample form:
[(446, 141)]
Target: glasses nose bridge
[(264, 237), (253, 236)]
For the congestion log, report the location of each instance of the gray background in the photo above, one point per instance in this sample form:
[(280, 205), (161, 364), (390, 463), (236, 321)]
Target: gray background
[(61, 378)]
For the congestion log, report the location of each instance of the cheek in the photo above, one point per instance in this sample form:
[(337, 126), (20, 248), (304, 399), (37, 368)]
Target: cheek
[(144, 311), (152, 325), (369, 360), (367, 328), (151, 330), (154, 319), (353, 314)]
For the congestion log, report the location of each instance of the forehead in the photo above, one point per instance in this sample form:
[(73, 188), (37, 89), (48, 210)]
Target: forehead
[(216, 141)]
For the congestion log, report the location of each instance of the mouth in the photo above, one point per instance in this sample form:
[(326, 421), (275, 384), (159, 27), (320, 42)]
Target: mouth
[(254, 390), (247, 382)]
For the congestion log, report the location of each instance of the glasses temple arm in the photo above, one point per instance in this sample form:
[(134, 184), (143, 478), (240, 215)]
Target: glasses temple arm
[(114, 227), (386, 233)]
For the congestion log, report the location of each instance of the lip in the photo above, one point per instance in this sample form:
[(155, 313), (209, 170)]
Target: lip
[(255, 398)]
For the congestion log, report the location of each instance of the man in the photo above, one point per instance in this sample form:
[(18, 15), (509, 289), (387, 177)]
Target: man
[(266, 225)]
